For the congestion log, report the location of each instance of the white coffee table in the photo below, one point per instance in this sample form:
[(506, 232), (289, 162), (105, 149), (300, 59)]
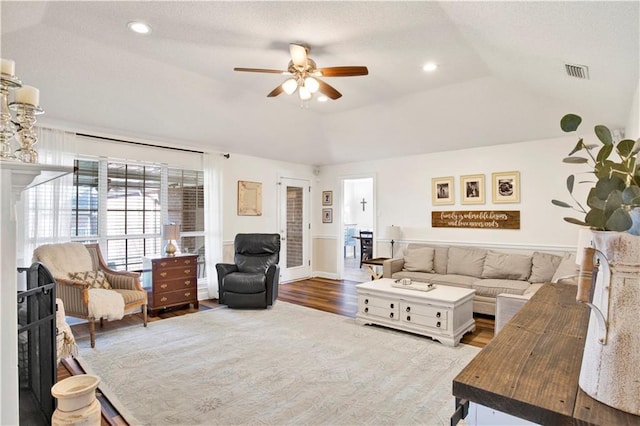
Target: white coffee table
[(444, 313)]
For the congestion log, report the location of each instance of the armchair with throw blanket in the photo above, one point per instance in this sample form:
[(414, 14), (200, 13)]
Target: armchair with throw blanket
[(252, 281), (88, 288)]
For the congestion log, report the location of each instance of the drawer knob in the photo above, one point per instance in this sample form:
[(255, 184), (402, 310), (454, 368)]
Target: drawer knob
[(163, 274), (391, 315), (187, 271), (163, 263), (187, 262), (163, 299), (408, 317), (187, 282), (438, 324), (391, 305), (366, 301), (163, 286), (438, 315), (187, 294), (408, 308), (366, 310)]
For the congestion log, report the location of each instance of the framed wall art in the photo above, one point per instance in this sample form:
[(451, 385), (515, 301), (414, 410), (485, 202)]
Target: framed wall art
[(505, 187), (442, 190), (327, 198), (472, 189), (327, 215), (249, 198)]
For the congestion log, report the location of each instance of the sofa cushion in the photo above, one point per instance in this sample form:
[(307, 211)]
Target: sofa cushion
[(95, 279), (544, 265), (493, 287), (454, 280), (419, 259), (440, 260), (567, 269), (506, 266), (466, 261)]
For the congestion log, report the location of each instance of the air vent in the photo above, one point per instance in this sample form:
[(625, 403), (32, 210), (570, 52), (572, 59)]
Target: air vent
[(577, 71)]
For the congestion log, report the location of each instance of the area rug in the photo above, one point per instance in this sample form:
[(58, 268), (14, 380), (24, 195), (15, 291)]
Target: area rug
[(286, 365)]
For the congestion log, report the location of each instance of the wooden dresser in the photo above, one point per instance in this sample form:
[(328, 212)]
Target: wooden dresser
[(170, 280)]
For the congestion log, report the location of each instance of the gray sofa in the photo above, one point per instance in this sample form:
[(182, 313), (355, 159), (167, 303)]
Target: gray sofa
[(489, 272)]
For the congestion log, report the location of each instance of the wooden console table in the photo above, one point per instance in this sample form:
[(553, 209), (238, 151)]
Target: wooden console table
[(371, 265), (531, 368)]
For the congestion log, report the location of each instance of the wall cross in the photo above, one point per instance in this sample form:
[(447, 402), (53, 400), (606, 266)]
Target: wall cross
[(363, 202)]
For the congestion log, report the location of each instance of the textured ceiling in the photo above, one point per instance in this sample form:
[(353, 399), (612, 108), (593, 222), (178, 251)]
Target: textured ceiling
[(501, 77)]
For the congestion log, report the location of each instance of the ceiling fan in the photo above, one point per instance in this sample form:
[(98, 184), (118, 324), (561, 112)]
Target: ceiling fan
[(304, 75)]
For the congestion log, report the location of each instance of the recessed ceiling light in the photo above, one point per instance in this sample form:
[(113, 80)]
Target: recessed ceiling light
[(139, 27), (430, 67), (322, 98)]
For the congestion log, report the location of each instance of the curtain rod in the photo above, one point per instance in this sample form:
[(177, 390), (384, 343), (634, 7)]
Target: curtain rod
[(139, 143)]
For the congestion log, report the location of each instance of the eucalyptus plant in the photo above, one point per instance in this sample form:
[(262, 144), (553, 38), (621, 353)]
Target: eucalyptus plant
[(616, 184)]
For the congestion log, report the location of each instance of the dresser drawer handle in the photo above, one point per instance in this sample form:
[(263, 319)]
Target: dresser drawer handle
[(391, 305), (163, 263), (163, 274), (438, 324), (438, 315), (187, 262), (366, 310), (187, 271), (187, 294), (163, 286), (366, 301), (408, 317), (187, 282), (391, 315), (408, 308), (163, 299)]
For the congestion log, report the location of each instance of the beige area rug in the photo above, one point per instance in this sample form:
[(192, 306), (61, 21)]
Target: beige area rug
[(286, 365)]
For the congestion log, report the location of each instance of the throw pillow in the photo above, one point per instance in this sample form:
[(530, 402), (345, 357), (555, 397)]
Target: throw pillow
[(567, 269), (466, 261), (419, 260), (506, 266), (95, 279), (543, 267)]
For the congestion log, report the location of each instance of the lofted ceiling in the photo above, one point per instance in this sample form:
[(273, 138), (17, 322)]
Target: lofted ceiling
[(501, 75)]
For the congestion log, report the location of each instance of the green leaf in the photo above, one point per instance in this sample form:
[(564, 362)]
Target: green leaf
[(606, 185), (575, 160), (619, 221), (570, 180), (625, 147), (595, 218), (613, 203), (593, 201), (636, 148), (561, 203), (631, 195), (603, 133), (575, 221), (604, 153), (577, 148), (570, 122)]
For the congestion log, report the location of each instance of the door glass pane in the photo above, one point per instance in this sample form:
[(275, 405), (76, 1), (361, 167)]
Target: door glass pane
[(294, 226)]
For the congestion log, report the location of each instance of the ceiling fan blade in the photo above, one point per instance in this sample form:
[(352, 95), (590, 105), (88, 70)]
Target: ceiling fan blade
[(262, 70), (276, 91), (298, 55), (343, 71), (328, 90)]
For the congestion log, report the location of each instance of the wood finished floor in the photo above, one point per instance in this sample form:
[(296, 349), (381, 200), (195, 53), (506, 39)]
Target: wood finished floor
[(338, 297)]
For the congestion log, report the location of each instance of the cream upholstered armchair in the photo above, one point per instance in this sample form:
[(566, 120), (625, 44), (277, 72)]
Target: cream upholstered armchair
[(88, 288)]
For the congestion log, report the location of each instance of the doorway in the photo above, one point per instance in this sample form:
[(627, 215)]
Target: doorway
[(295, 261), (358, 206)]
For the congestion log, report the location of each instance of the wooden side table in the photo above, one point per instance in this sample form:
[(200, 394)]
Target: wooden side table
[(170, 280), (372, 264)]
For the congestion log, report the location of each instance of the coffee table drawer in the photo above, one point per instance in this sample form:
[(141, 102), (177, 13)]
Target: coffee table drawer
[(431, 322), (380, 302), (436, 312)]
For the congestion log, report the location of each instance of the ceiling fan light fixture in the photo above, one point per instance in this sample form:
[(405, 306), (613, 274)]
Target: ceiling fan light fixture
[(289, 86), (311, 84), (304, 93), (323, 98)]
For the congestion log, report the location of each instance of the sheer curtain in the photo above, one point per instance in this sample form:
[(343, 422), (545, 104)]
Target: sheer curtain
[(44, 211), (212, 218)]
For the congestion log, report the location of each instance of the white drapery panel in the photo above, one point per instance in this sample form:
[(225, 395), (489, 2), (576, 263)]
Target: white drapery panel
[(45, 210), (212, 218)]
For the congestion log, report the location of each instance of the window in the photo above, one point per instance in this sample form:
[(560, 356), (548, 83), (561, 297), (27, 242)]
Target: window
[(121, 204)]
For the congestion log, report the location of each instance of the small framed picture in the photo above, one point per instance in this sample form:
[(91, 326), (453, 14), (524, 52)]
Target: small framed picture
[(472, 189), (327, 215), (505, 187), (327, 198), (442, 190)]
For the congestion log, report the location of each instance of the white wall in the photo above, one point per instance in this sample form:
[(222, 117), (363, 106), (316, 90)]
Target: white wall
[(354, 192), (403, 193), (632, 130)]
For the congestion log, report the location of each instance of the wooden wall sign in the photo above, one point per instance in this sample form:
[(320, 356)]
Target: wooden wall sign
[(484, 219)]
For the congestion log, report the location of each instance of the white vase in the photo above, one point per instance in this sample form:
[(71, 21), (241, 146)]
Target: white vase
[(77, 403), (609, 371)]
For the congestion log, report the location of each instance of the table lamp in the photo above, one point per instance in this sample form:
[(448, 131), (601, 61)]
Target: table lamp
[(170, 233), (393, 232)]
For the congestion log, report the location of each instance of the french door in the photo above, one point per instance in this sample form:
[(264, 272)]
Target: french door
[(295, 261)]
